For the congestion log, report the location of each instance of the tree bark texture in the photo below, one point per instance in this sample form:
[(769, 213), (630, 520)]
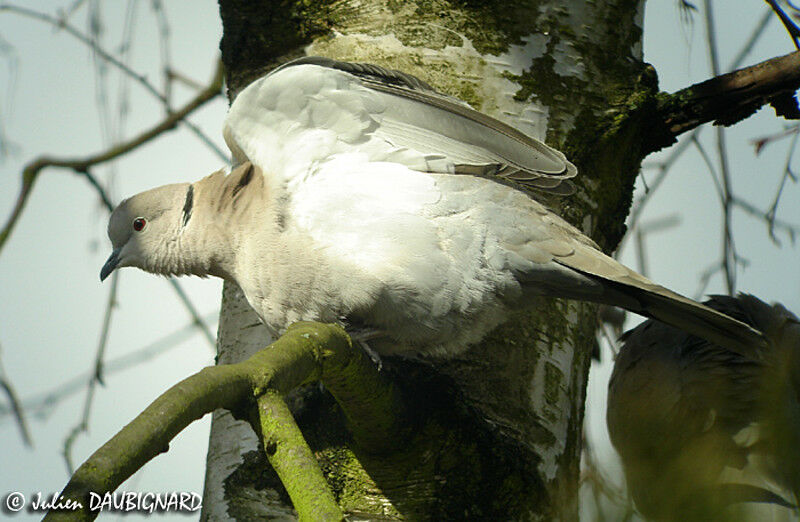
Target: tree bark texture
[(496, 431)]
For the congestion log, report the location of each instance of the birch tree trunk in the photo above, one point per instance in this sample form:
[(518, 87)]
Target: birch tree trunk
[(498, 429)]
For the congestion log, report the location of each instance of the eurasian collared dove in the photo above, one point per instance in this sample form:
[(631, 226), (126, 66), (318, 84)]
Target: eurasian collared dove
[(362, 195), (681, 410)]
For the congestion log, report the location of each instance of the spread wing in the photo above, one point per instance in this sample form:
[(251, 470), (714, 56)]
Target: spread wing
[(312, 109)]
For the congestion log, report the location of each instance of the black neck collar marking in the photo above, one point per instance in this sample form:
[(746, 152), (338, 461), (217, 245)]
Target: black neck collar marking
[(188, 204)]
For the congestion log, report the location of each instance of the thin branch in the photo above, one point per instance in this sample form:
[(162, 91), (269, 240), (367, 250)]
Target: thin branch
[(787, 175), (752, 40), (791, 27), (705, 278), (176, 76), (729, 98), (139, 78), (637, 209), (711, 170), (728, 249), (680, 148), (642, 231), (42, 404), (773, 223), (14, 405), (763, 141), (77, 4), (62, 24), (97, 376), (196, 318), (164, 46), (31, 171), (101, 193), (123, 94)]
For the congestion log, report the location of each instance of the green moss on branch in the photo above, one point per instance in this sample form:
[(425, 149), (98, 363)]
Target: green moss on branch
[(294, 462), (306, 353)]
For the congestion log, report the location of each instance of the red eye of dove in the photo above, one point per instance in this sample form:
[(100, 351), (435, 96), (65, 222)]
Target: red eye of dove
[(139, 223)]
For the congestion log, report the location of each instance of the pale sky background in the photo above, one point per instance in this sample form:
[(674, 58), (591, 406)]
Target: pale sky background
[(51, 300)]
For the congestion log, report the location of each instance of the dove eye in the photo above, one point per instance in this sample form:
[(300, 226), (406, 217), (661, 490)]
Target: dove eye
[(139, 223)]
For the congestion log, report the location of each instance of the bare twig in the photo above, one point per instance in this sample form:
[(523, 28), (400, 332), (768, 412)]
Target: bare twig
[(728, 249), (196, 318), (678, 150), (14, 405), (62, 24), (773, 223), (97, 376), (788, 174), (752, 40), (728, 98), (791, 27), (77, 4), (123, 94), (705, 278), (31, 171), (103, 343), (763, 141), (657, 225), (42, 404), (712, 171), (164, 46), (139, 78), (637, 209), (173, 75)]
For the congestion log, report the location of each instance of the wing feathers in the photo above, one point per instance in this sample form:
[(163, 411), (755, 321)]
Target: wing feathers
[(411, 114)]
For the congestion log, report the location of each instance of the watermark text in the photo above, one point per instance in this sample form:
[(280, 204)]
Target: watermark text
[(118, 501)]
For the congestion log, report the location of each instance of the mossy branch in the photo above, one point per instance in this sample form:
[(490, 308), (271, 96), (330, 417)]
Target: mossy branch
[(294, 461), (728, 99), (308, 352)]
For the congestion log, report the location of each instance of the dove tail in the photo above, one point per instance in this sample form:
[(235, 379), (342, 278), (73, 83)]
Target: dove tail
[(636, 293), (688, 315)]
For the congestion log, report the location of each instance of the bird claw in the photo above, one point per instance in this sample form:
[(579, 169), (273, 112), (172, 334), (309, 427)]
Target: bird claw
[(373, 355)]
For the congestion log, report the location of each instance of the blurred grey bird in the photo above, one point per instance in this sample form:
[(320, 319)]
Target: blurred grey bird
[(363, 196), (681, 410)]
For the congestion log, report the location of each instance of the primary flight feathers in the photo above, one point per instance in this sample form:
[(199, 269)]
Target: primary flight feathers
[(361, 195)]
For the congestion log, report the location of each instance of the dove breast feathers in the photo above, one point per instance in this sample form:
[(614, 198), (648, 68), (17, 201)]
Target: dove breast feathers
[(406, 252)]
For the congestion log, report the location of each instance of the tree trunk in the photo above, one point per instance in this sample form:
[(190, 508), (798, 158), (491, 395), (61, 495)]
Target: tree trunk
[(497, 432)]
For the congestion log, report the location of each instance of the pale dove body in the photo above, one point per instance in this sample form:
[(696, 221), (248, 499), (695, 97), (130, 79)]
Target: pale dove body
[(365, 197)]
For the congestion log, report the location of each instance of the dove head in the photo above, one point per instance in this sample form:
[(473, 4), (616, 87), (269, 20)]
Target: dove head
[(145, 231)]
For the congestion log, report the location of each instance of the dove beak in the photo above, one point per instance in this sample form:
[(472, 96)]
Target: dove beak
[(111, 264)]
